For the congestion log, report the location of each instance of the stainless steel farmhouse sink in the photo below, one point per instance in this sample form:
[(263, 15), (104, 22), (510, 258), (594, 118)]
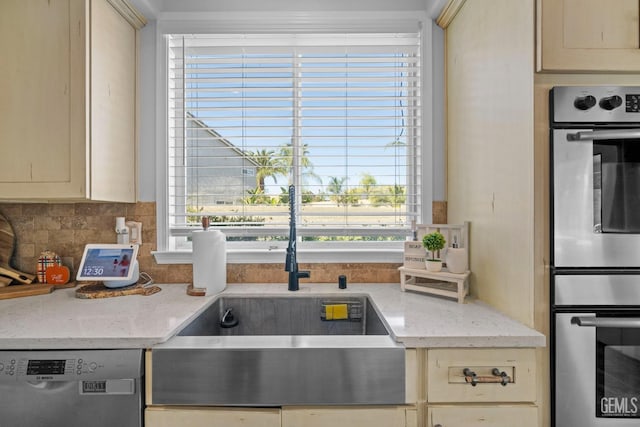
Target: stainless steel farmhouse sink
[(286, 316), (281, 350)]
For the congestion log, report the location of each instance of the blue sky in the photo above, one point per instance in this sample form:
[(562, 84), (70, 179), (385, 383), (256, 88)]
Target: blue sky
[(258, 114)]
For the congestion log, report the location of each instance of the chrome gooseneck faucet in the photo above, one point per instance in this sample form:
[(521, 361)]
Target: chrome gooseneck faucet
[(291, 264)]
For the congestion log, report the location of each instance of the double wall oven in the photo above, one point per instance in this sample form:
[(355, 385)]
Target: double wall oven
[(595, 256)]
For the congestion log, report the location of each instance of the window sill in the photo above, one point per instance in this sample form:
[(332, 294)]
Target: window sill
[(263, 256)]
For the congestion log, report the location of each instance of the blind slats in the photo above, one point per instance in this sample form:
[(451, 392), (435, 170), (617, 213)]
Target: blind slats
[(337, 115)]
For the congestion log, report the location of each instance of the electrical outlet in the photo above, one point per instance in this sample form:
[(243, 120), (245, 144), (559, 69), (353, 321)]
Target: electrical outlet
[(67, 261)]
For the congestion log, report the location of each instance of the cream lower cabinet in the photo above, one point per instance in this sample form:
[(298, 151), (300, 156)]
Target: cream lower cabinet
[(211, 417), (68, 104), (392, 416), (482, 416), (453, 400), (383, 416)]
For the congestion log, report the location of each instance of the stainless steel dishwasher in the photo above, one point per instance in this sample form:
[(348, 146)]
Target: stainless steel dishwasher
[(71, 388)]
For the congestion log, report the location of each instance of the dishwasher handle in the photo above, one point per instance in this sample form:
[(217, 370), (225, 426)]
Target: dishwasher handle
[(607, 322)]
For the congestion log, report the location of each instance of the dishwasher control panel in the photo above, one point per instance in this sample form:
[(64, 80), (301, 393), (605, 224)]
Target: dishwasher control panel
[(37, 366)]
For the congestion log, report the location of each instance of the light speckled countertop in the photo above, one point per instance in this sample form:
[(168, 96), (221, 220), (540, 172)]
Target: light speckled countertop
[(59, 320)]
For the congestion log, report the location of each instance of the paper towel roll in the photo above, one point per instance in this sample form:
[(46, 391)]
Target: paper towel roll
[(209, 260)]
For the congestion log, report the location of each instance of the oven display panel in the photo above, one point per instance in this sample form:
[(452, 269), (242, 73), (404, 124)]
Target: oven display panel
[(632, 103), (46, 367)]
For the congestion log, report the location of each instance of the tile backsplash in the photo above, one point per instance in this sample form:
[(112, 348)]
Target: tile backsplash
[(66, 227)]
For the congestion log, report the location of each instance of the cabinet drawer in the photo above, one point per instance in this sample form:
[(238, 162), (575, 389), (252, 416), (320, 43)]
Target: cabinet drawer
[(373, 416), (482, 416), (447, 382), (211, 417)]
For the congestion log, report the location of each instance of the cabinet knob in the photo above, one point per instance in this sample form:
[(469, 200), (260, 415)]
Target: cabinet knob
[(438, 425)]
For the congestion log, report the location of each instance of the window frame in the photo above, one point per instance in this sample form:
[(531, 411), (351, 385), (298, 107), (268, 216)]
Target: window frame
[(286, 23)]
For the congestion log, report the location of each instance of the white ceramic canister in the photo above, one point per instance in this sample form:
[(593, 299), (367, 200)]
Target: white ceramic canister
[(457, 260)]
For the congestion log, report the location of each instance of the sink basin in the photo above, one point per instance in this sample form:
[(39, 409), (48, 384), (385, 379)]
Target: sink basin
[(286, 316), (283, 351)]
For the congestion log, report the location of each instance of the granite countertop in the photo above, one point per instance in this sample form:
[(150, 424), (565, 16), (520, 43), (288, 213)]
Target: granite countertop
[(60, 320)]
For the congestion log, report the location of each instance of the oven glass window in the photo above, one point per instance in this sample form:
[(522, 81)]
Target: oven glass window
[(616, 186), (618, 373)]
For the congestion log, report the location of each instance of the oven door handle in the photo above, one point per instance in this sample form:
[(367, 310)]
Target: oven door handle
[(604, 134), (607, 322)]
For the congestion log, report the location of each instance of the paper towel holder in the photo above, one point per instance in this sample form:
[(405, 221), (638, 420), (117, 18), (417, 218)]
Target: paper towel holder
[(192, 290), (212, 279)]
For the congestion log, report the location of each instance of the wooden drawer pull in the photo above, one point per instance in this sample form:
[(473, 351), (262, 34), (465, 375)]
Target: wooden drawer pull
[(498, 377)]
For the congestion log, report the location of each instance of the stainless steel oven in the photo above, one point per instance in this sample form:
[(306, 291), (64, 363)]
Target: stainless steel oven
[(596, 176), (595, 256), (597, 350)]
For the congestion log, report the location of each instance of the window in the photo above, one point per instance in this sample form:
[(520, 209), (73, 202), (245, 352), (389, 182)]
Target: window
[(336, 115)]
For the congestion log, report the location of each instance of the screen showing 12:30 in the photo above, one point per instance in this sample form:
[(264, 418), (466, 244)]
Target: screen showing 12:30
[(101, 263)]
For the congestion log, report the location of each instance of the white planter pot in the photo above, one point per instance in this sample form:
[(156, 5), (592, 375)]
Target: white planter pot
[(434, 266)]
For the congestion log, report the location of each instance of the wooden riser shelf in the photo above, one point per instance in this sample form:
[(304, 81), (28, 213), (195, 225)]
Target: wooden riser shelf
[(445, 284)]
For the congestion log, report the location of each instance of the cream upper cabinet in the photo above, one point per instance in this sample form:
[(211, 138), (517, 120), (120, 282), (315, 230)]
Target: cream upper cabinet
[(588, 35), (67, 114)]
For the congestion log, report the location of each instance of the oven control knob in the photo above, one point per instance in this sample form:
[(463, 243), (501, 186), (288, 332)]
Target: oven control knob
[(611, 102), (584, 102)]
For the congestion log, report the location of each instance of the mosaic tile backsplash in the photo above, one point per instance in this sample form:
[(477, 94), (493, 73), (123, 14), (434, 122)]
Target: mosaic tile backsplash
[(66, 227)]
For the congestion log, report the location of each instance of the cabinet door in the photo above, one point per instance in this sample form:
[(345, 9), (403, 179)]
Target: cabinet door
[(211, 417), (447, 381), (482, 416), (113, 105), (42, 85), (390, 416), (589, 35)]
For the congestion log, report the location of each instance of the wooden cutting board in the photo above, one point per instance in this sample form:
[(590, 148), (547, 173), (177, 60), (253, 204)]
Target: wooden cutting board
[(7, 246), (98, 290), (17, 291)]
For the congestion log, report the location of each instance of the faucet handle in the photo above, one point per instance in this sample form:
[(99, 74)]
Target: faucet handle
[(304, 274)]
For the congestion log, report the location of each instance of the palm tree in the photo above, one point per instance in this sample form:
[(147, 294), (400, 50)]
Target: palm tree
[(268, 165), (336, 188), (367, 182), (398, 193), (286, 152)]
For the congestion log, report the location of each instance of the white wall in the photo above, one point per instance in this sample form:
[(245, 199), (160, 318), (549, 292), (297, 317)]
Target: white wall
[(160, 11)]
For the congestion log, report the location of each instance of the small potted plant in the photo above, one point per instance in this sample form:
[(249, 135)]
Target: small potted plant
[(433, 242)]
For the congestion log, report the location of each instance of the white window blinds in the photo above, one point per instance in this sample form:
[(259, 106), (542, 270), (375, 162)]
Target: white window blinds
[(338, 115)]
